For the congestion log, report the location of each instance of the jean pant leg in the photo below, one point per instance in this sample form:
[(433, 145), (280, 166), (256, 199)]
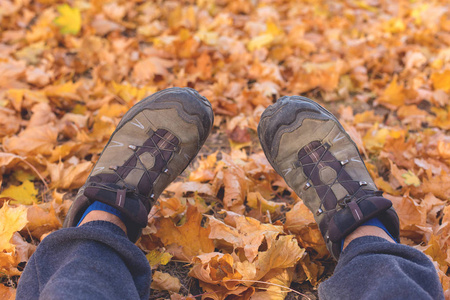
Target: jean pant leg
[(93, 261), (373, 268)]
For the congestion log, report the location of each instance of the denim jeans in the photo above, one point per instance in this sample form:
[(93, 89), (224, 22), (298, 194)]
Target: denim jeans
[(97, 261)]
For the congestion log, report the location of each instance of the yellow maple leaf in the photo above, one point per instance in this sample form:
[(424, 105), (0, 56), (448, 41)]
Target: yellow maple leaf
[(411, 179), (70, 19), (12, 219), (128, 92), (156, 258), (24, 194), (393, 95), (441, 81)]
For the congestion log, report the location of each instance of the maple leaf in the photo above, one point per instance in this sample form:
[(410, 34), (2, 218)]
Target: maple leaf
[(247, 233), (7, 293), (24, 194), (191, 236), (42, 219), (33, 140), (156, 258), (411, 179), (278, 282), (69, 20), (12, 219), (216, 268), (441, 80), (165, 282), (256, 201), (394, 95)]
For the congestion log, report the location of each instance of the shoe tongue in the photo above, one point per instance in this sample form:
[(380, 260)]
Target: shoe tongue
[(354, 214)]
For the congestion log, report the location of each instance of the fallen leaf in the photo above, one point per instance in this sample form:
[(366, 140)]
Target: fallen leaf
[(298, 217), (411, 179), (165, 282), (284, 252), (441, 80), (42, 220), (394, 95), (191, 236), (216, 268), (156, 258), (33, 141), (12, 219), (69, 20), (256, 201), (23, 194), (277, 287), (69, 177), (248, 234), (7, 293)]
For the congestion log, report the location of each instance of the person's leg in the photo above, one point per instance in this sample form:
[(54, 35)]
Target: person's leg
[(310, 149), (153, 143), (374, 268), (94, 261)]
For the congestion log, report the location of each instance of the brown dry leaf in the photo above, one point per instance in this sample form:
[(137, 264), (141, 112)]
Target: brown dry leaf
[(437, 185), (235, 184), (437, 251), (42, 220), (33, 141), (205, 170), (7, 293), (8, 122), (441, 80), (312, 270), (247, 233), (256, 201), (23, 249), (69, 177), (278, 281), (148, 68), (180, 189), (165, 282), (171, 207), (298, 217), (411, 214), (394, 94), (191, 236), (216, 268), (283, 252), (215, 292)]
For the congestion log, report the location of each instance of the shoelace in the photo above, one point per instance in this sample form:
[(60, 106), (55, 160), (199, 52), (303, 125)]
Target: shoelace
[(343, 202), (135, 149)]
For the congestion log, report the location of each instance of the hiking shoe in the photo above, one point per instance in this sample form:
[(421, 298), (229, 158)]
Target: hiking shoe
[(310, 149), (153, 143)]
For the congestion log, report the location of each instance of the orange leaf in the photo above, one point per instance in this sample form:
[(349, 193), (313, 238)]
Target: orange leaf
[(248, 234), (42, 220), (191, 236)]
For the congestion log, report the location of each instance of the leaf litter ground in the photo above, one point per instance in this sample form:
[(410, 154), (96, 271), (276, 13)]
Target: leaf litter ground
[(68, 72)]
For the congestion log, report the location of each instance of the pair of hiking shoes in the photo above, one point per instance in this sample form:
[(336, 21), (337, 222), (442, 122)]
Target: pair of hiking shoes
[(159, 136)]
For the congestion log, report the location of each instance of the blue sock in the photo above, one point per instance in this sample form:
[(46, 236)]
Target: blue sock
[(372, 222), (97, 205)]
